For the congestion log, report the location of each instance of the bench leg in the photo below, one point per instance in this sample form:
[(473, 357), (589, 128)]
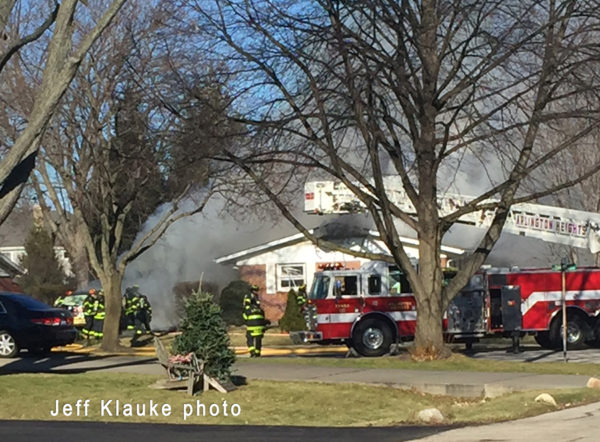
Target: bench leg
[(191, 384)]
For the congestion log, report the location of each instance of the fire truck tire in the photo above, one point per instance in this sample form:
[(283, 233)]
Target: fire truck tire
[(543, 339), (576, 332), (372, 337)]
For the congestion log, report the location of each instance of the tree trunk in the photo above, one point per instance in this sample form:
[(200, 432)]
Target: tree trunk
[(429, 339), (111, 285), (81, 263)]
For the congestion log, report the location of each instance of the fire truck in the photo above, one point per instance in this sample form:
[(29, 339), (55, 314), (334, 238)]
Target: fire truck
[(371, 308)]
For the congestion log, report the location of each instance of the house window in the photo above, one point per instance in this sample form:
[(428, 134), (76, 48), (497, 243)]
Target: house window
[(290, 276)]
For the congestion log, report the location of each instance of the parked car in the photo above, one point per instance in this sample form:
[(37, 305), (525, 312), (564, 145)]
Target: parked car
[(74, 303), (26, 323)]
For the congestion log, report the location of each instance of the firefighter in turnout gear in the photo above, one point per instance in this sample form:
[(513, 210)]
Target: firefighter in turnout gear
[(142, 312), (99, 315), (145, 313), (58, 302), (129, 299), (254, 317), (88, 313), (301, 298)]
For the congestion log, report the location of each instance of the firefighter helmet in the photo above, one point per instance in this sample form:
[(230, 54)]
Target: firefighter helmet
[(254, 288)]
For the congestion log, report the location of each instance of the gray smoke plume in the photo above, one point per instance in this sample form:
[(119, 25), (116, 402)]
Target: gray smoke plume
[(187, 251)]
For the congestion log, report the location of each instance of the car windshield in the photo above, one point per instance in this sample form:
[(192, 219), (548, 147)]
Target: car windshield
[(28, 302), (319, 288)]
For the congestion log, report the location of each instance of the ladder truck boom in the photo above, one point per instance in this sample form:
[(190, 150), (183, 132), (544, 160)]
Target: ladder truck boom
[(559, 225)]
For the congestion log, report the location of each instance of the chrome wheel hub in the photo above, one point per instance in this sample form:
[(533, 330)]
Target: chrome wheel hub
[(372, 338), (573, 333), (7, 344)]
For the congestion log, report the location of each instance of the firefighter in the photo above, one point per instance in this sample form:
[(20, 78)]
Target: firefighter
[(130, 298), (396, 288), (99, 315), (58, 303), (89, 304), (301, 298), (136, 309), (145, 313), (254, 317)]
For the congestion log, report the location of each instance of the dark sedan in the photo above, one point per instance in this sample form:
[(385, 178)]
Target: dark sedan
[(28, 323)]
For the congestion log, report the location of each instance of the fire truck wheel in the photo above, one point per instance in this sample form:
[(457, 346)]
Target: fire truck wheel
[(543, 339), (576, 335), (372, 337)]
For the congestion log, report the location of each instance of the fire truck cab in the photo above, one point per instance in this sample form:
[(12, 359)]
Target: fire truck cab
[(368, 309)]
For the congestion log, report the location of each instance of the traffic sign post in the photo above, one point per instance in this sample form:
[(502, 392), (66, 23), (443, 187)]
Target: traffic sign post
[(564, 267)]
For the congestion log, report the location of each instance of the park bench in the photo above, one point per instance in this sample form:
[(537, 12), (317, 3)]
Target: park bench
[(185, 371)]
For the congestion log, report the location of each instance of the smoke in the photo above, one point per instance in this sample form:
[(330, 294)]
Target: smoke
[(187, 251)]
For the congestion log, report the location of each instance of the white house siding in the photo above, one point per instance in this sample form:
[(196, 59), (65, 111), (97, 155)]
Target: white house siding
[(307, 254)]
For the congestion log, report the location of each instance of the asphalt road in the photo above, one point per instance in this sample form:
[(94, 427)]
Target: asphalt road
[(26, 431)]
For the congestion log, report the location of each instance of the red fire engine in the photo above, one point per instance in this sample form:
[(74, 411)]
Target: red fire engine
[(370, 308)]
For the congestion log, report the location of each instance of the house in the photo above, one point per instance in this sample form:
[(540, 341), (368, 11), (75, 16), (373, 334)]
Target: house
[(13, 234), (8, 271), (283, 264)]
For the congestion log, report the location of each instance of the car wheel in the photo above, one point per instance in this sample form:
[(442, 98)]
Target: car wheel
[(372, 337), (8, 345)]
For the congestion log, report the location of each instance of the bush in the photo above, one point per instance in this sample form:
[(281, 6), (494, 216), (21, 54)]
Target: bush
[(205, 333), (231, 301), (292, 319), (183, 290)]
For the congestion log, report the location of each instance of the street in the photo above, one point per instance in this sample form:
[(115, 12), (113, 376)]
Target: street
[(26, 431)]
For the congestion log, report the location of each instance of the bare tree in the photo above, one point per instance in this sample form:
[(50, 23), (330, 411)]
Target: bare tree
[(585, 195), (65, 51), (114, 154), (357, 90)]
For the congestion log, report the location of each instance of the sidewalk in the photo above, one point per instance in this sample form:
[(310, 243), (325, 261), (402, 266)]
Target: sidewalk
[(580, 424), (451, 383)]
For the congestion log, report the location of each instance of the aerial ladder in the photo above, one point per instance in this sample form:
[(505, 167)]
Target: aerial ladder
[(558, 225)]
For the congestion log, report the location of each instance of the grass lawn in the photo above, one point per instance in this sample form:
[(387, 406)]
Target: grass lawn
[(33, 396), (457, 362)]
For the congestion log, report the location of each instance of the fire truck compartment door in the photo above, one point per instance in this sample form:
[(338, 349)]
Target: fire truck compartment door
[(466, 313), (511, 307)]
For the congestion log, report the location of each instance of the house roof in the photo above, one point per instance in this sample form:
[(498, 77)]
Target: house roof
[(15, 228), (299, 238), (9, 268), (263, 248)]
